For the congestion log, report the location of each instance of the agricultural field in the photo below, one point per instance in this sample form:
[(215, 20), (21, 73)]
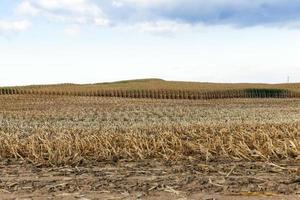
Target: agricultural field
[(93, 147)]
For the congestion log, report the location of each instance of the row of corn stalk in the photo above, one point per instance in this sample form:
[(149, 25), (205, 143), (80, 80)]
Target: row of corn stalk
[(161, 93)]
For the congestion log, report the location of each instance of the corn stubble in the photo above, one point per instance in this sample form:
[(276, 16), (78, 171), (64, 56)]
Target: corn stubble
[(68, 131), (250, 143)]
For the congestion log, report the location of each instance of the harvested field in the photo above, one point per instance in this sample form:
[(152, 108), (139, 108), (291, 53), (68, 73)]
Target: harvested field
[(112, 147)]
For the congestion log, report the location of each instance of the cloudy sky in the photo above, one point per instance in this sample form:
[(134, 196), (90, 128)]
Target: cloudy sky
[(87, 41)]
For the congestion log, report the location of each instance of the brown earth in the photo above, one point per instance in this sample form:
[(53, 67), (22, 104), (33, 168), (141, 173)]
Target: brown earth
[(151, 179)]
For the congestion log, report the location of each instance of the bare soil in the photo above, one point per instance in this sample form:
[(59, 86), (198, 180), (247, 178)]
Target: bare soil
[(151, 179)]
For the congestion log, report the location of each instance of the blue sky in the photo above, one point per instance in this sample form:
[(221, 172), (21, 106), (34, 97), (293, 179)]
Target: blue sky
[(87, 41)]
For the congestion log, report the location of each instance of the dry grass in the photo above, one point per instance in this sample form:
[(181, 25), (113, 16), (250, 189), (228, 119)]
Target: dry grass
[(69, 130)]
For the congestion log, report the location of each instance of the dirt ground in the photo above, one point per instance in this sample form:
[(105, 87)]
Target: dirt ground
[(151, 179)]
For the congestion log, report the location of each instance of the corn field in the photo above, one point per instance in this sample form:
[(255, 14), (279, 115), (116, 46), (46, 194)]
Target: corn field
[(163, 94), (159, 89)]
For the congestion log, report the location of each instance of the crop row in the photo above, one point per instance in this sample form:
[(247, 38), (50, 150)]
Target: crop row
[(161, 93)]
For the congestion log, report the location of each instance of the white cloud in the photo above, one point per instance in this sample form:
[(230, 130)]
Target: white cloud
[(101, 21), (163, 16), (84, 7), (162, 27), (13, 26), (67, 11), (117, 3), (238, 13), (25, 8), (72, 30), (143, 2)]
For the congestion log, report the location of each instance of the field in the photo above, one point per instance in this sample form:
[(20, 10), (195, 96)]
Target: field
[(70, 146)]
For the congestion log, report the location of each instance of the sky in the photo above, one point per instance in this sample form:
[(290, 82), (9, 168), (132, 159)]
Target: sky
[(92, 41)]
